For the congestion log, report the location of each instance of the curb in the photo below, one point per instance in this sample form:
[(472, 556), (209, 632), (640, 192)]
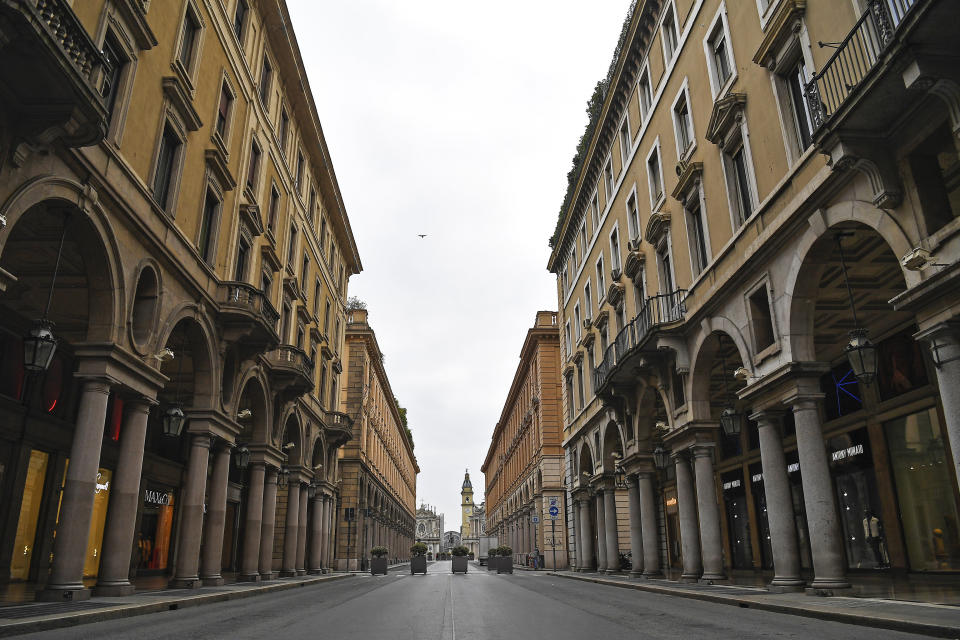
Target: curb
[(872, 620), (124, 610)]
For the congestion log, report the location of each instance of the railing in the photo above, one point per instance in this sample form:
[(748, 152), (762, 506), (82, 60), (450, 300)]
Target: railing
[(66, 30), (294, 357), (241, 294), (656, 311), (856, 55)]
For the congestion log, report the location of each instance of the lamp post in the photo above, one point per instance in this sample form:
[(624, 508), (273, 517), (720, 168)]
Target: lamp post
[(861, 353), (660, 457), (173, 416), (40, 344)]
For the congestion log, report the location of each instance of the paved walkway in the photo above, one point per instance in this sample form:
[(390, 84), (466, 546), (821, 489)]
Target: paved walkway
[(915, 617)]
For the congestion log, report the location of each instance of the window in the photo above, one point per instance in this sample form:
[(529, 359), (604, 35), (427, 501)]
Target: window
[(285, 322), (625, 144), (239, 19), (326, 318), (266, 75), (935, 165), (595, 212), (283, 129), (167, 159), (615, 249), (583, 238), (274, 207), (323, 383), (581, 397), (291, 248), (243, 260), (316, 298), (761, 322), (588, 302), (644, 93), (795, 79), (633, 217), (719, 55), (696, 233), (116, 63), (665, 266), (253, 169), (304, 271), (738, 183), (655, 177), (266, 284), (601, 287), (323, 234), (608, 178), (223, 110), (299, 172), (669, 29), (569, 388), (682, 124), (640, 290), (300, 335), (206, 242), (569, 340), (313, 208), (577, 321), (188, 39)]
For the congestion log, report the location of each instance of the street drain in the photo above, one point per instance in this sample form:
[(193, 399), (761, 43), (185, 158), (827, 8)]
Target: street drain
[(174, 606), (744, 605)]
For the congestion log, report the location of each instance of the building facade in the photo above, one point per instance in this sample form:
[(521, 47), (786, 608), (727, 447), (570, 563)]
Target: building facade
[(429, 529), (176, 225), (378, 470), (751, 206), (524, 467), (478, 528), (466, 505)]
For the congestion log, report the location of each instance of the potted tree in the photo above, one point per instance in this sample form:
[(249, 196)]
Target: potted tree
[(378, 560), (492, 559), (418, 558), (460, 558), (504, 559)]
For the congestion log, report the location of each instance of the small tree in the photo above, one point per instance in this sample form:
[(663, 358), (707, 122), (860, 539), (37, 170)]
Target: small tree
[(418, 549), (504, 551), (492, 553), (379, 552), (460, 551)]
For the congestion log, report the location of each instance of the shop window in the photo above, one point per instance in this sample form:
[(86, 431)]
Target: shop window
[(936, 171), (927, 507), (753, 435), (156, 526), (23, 545), (864, 533), (842, 392), (738, 519), (900, 366), (763, 523), (760, 319)]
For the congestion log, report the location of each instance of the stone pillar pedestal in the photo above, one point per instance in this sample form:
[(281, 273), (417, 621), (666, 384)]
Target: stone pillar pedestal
[(586, 537), (648, 521), (302, 532), (186, 574), (251, 537), (689, 531), (636, 527), (114, 574), (601, 532), (269, 525), (826, 539), (212, 559), (76, 504), (613, 538), (780, 516), (710, 542)]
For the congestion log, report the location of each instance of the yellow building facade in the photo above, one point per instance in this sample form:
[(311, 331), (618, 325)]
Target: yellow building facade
[(766, 185), (163, 165)]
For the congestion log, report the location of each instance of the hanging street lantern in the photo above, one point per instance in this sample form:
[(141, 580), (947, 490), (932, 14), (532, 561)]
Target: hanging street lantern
[(242, 457), (731, 421), (620, 477), (660, 457), (283, 478), (862, 355), (173, 421), (39, 347)]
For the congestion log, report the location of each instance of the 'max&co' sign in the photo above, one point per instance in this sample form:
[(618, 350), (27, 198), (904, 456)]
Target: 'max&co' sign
[(156, 497)]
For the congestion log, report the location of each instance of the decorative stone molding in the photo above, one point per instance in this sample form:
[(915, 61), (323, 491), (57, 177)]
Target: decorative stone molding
[(615, 293), (919, 76), (657, 226), (633, 264), (250, 216), (179, 96), (727, 114), (217, 163), (689, 177), (871, 158), (601, 320), (785, 21), (135, 19)]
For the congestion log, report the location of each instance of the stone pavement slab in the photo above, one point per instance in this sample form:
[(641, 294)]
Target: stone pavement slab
[(942, 621)]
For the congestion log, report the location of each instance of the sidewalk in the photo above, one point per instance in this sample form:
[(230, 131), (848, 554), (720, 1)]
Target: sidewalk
[(942, 621), (41, 616)]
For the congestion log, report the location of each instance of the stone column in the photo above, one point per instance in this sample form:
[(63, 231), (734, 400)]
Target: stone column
[(826, 538), (269, 524), (302, 532), (114, 574), (648, 520), (689, 534), (601, 531), (944, 342), (316, 535), (636, 527), (586, 537), (186, 571), (212, 560), (613, 538), (577, 536), (251, 535), (780, 516), (76, 504), (710, 541), (289, 565), (327, 532)]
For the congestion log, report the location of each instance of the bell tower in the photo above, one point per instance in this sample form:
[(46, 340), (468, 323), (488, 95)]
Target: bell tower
[(466, 505)]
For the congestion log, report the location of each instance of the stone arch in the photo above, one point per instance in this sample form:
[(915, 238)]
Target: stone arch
[(200, 346), (703, 374), (292, 434), (317, 457), (651, 408), (95, 238), (613, 445), (255, 398), (803, 276), (584, 461)]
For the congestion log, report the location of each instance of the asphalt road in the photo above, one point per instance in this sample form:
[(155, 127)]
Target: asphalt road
[(479, 605)]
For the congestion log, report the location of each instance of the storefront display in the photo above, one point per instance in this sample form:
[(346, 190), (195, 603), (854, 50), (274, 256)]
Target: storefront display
[(156, 526), (674, 555), (738, 519), (29, 514), (799, 508), (98, 520), (927, 504), (763, 523), (864, 533)]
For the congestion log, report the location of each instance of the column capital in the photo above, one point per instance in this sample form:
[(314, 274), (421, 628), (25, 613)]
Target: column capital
[(768, 417), (702, 450), (805, 402), (258, 463), (140, 404), (203, 440), (96, 384)]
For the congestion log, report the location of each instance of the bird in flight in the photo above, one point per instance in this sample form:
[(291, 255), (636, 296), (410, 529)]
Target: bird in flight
[(422, 235)]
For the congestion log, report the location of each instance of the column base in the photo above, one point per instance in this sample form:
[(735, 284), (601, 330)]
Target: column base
[(212, 581), (612, 572), (249, 577), (713, 578), (653, 575), (786, 586), (636, 574), (315, 572), (828, 591), (586, 570), (116, 589), (288, 573), (184, 583), (66, 594), (689, 578), (269, 575), (301, 572)]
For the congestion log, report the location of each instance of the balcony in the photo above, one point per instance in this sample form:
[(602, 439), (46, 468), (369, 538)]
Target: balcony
[(51, 76), (291, 370), (657, 313), (247, 317), (339, 428), (866, 85)]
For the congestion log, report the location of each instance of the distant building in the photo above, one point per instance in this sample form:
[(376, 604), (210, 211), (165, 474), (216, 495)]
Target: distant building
[(429, 529), (451, 539)]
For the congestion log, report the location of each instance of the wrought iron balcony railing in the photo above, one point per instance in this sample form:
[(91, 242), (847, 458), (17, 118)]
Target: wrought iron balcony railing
[(855, 57), (656, 311)]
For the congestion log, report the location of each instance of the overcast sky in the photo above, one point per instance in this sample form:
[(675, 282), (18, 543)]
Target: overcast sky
[(457, 120)]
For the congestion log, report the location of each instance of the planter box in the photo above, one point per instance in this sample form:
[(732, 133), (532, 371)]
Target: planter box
[(378, 565), (505, 565), (459, 564), (418, 564), (492, 563)]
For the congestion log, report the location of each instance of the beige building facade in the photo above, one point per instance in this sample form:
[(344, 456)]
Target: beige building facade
[(752, 205), (524, 467), (173, 227), (378, 471)]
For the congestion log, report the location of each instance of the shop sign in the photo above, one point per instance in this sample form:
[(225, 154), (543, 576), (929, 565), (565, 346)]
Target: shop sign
[(161, 498), (102, 485), (733, 484), (671, 502), (849, 452), (757, 477), (793, 467)]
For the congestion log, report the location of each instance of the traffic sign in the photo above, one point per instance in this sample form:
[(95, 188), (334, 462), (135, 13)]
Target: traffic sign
[(554, 501), (554, 512), (535, 519)]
